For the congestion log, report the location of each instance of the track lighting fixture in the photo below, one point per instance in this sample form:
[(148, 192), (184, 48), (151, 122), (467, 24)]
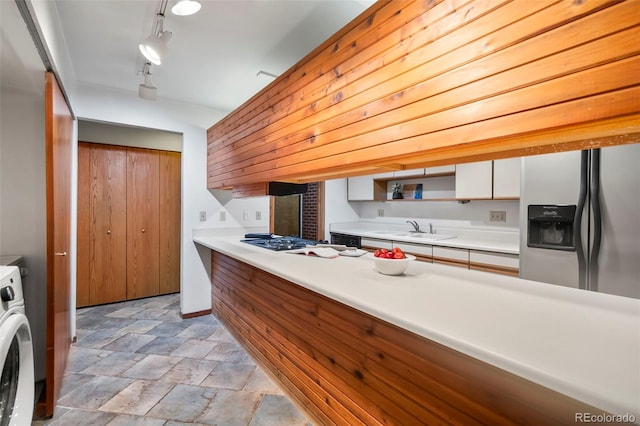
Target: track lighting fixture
[(147, 90), (154, 47), (185, 7)]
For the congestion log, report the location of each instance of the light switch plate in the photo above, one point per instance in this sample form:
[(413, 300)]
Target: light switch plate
[(258, 215), (223, 216), (203, 216), (381, 213)]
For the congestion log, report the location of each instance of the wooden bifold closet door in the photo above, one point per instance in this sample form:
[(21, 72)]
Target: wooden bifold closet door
[(143, 219), (128, 223)]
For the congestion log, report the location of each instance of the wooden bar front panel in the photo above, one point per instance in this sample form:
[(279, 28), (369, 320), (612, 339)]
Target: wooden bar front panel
[(420, 83), (343, 366)]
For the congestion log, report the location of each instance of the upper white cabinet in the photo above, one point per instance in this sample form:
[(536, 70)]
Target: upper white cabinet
[(364, 188), (360, 188), (506, 178), (474, 180), (440, 170), (410, 172), (498, 179)]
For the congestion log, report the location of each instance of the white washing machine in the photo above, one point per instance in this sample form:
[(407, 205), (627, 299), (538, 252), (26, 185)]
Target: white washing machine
[(16, 352)]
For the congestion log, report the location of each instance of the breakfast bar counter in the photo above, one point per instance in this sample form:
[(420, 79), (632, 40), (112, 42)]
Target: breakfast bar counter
[(579, 344)]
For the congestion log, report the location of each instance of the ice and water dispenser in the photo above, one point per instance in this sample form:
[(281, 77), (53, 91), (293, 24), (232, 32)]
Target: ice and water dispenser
[(551, 226)]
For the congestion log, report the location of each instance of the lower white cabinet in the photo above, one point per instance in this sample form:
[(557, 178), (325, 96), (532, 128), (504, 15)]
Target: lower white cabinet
[(374, 243), (422, 252), (500, 263), (451, 256)]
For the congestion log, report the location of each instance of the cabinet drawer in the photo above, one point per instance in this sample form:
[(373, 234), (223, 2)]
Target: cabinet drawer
[(451, 256), (500, 263), (423, 252), (372, 243)]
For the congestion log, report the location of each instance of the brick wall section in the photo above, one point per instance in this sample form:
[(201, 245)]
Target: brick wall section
[(310, 212)]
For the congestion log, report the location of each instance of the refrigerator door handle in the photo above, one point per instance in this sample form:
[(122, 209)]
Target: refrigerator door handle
[(597, 220), (577, 222)]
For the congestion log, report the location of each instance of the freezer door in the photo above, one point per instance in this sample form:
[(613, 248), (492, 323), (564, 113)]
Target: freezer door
[(549, 179), (619, 260)]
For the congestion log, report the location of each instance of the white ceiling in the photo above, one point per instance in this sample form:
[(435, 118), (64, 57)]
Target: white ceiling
[(214, 55)]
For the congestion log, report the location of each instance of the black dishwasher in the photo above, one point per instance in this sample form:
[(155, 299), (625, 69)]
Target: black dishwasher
[(347, 240)]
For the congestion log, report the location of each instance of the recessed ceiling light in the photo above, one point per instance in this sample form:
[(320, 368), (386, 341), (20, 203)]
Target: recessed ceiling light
[(185, 7)]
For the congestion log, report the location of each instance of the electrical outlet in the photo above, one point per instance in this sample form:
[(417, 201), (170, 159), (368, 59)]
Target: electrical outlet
[(498, 216), (245, 215), (203, 216), (258, 215), (380, 213), (223, 216)]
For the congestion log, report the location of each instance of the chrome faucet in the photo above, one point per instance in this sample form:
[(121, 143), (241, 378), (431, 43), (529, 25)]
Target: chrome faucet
[(416, 227)]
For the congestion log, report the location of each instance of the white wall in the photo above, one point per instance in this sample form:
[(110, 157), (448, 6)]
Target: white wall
[(338, 209), (475, 211), (122, 107), (23, 202), (109, 134)]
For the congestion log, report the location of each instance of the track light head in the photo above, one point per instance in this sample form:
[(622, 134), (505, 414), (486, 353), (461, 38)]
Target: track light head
[(155, 48)]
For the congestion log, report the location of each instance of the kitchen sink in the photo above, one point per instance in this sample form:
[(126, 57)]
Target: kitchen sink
[(433, 237), (417, 235)]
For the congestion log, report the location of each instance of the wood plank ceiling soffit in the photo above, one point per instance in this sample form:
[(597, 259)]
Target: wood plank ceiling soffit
[(430, 82)]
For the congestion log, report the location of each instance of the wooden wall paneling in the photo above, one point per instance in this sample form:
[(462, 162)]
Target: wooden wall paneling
[(142, 223), (296, 374), (356, 78), (83, 257), (526, 31), (341, 362), (313, 66), (322, 87), (169, 210), (108, 215), (553, 91), (500, 82), (338, 362), (58, 142)]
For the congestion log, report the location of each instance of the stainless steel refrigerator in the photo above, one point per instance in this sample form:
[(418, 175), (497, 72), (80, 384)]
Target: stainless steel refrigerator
[(580, 219)]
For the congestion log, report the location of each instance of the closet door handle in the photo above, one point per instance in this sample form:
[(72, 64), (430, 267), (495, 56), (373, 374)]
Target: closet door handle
[(109, 232), (64, 253), (143, 231)]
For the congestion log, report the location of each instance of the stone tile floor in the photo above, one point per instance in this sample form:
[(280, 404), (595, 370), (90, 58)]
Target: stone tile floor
[(139, 363)]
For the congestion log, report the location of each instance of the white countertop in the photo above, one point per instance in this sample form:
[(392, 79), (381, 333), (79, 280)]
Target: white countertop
[(485, 239), (582, 344)]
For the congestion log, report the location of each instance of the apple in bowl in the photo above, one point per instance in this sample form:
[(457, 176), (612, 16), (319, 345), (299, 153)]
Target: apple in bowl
[(391, 262)]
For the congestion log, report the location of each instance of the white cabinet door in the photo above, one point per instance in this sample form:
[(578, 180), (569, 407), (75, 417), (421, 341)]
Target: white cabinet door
[(423, 251), (440, 170), (474, 180), (360, 188), (369, 243), (451, 256), (506, 178), (411, 172)]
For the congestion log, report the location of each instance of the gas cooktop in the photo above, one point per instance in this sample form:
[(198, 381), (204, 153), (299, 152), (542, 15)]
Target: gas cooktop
[(280, 243)]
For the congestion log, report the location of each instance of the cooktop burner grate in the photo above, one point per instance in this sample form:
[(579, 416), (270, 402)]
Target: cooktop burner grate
[(280, 243)]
